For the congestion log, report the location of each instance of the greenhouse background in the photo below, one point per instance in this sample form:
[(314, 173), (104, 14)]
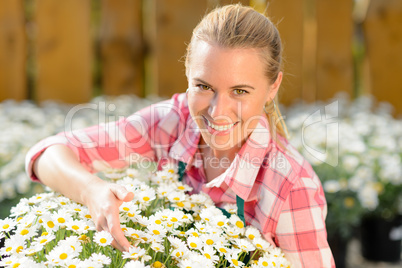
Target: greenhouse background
[(341, 97)]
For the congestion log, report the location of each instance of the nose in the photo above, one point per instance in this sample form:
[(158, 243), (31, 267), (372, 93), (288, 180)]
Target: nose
[(219, 107)]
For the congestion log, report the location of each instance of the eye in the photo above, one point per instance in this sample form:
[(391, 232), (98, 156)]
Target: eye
[(240, 91), (203, 87)]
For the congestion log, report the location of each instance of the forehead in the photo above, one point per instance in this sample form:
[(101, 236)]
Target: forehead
[(213, 59)]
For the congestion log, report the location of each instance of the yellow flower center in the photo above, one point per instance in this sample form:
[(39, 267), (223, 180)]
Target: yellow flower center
[(264, 263), (176, 199), (75, 227), (174, 219), (61, 220), (221, 223), (157, 264), (158, 221), (24, 232), (44, 233), (16, 265), (349, 202), (239, 224), (235, 262), (103, 240), (72, 266), (251, 236), (180, 204), (146, 198), (156, 232), (18, 250), (193, 245), (43, 241), (181, 188), (5, 226), (209, 241), (126, 209), (63, 256), (207, 255), (50, 224), (223, 250)]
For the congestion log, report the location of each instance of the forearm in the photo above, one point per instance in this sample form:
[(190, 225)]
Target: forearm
[(59, 168)]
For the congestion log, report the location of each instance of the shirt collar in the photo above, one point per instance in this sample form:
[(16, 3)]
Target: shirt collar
[(240, 176)]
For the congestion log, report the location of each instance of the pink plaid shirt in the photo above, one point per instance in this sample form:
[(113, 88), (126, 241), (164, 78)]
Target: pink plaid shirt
[(283, 196)]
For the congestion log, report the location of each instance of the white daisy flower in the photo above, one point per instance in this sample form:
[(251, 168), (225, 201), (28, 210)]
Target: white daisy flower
[(72, 242), (182, 187), (209, 213), (219, 221), (244, 245), (48, 223), (252, 232), (14, 245), (103, 238), (7, 225), (27, 232), (60, 217), (134, 253), (97, 257), (77, 226), (176, 196), (170, 167), (210, 253), (211, 239), (20, 209), (231, 208), (262, 244), (135, 264), (194, 242), (157, 247), (59, 255), (89, 263), (233, 258), (155, 229), (44, 239), (130, 209), (176, 242), (17, 261), (236, 221)]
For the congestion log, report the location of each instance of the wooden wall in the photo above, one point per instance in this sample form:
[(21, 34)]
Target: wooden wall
[(137, 47)]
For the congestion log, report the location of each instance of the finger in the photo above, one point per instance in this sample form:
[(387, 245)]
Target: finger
[(122, 194), (114, 228)]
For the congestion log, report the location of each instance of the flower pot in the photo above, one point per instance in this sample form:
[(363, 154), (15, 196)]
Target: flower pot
[(338, 246), (381, 239)]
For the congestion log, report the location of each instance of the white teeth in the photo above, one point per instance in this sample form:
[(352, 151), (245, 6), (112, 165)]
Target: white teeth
[(220, 128)]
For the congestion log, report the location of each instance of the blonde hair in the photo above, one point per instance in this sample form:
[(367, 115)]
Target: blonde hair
[(237, 26)]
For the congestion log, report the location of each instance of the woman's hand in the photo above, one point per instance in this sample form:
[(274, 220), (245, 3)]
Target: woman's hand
[(103, 201), (59, 168)]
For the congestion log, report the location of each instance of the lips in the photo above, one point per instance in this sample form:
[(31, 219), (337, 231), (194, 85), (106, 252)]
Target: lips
[(221, 127)]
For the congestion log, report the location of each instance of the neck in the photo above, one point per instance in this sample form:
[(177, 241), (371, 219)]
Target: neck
[(210, 152)]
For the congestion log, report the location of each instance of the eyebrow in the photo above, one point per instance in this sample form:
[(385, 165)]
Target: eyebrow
[(233, 87)]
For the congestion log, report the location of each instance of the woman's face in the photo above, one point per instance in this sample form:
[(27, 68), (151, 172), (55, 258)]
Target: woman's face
[(227, 92)]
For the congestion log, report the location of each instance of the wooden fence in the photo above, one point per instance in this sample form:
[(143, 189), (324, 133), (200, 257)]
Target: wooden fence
[(72, 49)]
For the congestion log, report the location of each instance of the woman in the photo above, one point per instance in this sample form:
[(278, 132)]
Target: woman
[(227, 131)]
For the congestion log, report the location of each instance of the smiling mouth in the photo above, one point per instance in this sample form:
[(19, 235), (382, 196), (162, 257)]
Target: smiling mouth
[(219, 127)]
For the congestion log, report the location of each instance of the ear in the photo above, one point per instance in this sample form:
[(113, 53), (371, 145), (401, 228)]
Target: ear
[(273, 88)]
